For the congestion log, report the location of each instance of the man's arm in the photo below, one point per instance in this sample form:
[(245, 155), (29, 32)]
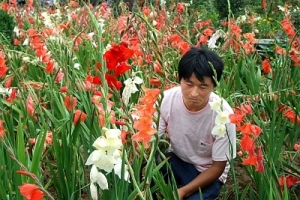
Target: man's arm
[(204, 179)]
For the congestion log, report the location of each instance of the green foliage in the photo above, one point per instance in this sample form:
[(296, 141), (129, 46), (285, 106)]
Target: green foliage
[(7, 25), (236, 7)]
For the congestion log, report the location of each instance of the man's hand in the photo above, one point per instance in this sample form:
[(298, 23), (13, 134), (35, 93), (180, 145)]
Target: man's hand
[(181, 193)]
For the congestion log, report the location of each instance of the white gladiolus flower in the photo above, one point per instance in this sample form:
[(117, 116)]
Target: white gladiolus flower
[(107, 157), (216, 104), (130, 88), (219, 130), (213, 39), (91, 34), (94, 192), (95, 156), (99, 178), (222, 118), (26, 59), (76, 66), (26, 42), (118, 170), (5, 91), (107, 163), (16, 31)]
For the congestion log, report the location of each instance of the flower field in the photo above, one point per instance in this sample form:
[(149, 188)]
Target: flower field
[(81, 86)]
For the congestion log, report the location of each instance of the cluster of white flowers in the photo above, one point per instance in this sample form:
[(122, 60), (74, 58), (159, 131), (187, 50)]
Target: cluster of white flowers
[(107, 157), (130, 87), (221, 119)]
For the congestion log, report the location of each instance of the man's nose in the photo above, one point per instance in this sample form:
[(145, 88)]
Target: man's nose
[(195, 92)]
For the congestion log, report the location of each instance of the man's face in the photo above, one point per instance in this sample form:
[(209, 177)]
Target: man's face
[(196, 93)]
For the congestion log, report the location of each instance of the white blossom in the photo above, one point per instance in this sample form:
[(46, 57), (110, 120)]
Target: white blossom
[(76, 66), (222, 118), (94, 191), (26, 42), (219, 130), (118, 170), (130, 88), (216, 104), (99, 178), (213, 39), (106, 157)]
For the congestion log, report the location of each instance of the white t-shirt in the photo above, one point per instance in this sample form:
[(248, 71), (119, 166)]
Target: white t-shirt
[(190, 132)]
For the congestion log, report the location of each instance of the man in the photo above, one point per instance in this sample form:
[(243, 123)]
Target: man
[(198, 159)]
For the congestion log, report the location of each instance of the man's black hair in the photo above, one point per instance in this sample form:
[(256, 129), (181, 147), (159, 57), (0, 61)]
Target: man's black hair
[(201, 62)]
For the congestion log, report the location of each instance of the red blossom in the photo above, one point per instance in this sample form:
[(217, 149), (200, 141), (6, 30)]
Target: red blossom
[(266, 66), (260, 161), (236, 118), (31, 192), (251, 160), (70, 102), (79, 115), (289, 181), (117, 55), (180, 7), (2, 131)]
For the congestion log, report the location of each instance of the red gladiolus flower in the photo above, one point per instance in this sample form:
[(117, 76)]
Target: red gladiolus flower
[(260, 161), (64, 89), (264, 4), (31, 192), (246, 129), (247, 144), (236, 118), (180, 7), (2, 132), (17, 42), (123, 136), (289, 181), (251, 160), (175, 38), (78, 114), (287, 27), (266, 67), (13, 95), (30, 105), (296, 147), (50, 67), (117, 55), (246, 108), (256, 130), (112, 82), (70, 102), (3, 67), (8, 82), (280, 50), (59, 77), (26, 173)]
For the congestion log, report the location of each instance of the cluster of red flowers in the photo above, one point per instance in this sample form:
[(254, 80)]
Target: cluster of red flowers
[(250, 132), (289, 113), (143, 116), (116, 62), (295, 41), (70, 102)]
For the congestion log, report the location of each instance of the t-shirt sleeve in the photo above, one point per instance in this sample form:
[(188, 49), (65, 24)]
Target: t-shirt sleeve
[(224, 148)]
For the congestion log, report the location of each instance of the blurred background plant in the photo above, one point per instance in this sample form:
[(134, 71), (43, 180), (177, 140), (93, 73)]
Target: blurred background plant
[(7, 25)]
